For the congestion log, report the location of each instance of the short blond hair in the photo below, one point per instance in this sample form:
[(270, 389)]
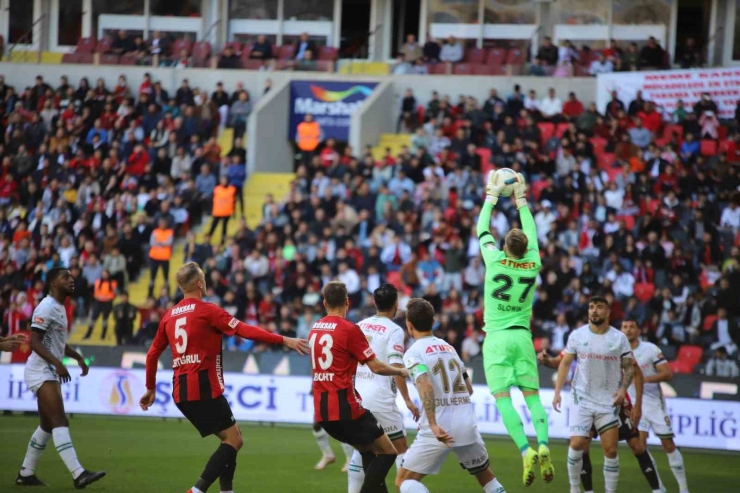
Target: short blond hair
[(187, 275), (516, 242)]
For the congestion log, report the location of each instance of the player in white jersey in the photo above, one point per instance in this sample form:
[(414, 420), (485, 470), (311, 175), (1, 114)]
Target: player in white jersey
[(655, 368), (43, 376), (605, 371), (378, 393), (448, 420)]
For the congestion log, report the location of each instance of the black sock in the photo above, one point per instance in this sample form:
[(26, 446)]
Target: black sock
[(226, 480), (224, 456), (648, 469), (587, 478), (376, 473), (367, 459)]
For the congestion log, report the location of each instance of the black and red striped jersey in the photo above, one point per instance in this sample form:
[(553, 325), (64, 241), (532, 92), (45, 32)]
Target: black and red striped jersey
[(194, 330), (337, 346)]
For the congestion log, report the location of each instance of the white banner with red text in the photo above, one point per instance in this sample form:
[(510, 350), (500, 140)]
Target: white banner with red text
[(666, 87), (268, 398)]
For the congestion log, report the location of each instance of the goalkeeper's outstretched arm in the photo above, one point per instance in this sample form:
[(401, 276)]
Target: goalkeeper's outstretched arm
[(484, 219), (525, 215)]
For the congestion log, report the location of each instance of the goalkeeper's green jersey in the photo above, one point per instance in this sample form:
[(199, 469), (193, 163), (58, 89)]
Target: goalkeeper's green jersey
[(510, 283)]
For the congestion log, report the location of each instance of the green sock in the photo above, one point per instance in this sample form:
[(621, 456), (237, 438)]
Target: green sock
[(513, 422), (539, 418)]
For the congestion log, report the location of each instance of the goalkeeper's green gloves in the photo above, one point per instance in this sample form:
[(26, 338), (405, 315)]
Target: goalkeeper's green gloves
[(520, 192), (492, 191)]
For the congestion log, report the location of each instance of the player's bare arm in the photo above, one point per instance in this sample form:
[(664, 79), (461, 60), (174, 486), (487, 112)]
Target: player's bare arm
[(636, 414), (426, 394), (404, 390), (628, 376), (565, 363), (300, 346), (11, 343), (71, 353), (386, 370), (37, 346), (664, 374), (468, 384), (544, 359)]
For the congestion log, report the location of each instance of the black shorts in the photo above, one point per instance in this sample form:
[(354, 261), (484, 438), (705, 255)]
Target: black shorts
[(361, 431), (209, 416), (626, 429)]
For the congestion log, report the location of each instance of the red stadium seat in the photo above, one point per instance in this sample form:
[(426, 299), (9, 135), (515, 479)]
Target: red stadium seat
[(644, 291), (606, 160), (328, 53), (538, 344), (537, 188), (560, 129), (462, 69), (127, 59), (629, 222), (475, 55), (613, 172), (88, 58), (103, 45), (678, 366), (202, 54), (283, 64), (85, 45), (485, 160), (496, 56), (669, 130), (692, 354), (246, 52), (181, 44), (722, 132), (708, 147), (251, 64), (236, 47), (484, 69), (439, 69), (109, 59), (547, 131), (709, 322), (394, 277), (71, 58), (324, 65), (516, 56), (724, 146), (598, 143), (287, 52)]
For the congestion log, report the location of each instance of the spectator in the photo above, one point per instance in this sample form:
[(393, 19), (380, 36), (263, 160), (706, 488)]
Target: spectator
[(639, 135), (411, 49), (709, 125), (308, 63), (602, 65), (720, 365), (631, 61), (121, 44), (651, 56), (124, 314), (103, 296), (548, 53), (160, 253), (239, 114), (159, 46), (536, 69), (551, 107), (401, 67), (303, 45), (559, 334), (452, 51), (224, 202), (261, 49), (228, 59), (572, 108), (308, 137), (471, 345), (679, 114), (689, 56), (432, 50)]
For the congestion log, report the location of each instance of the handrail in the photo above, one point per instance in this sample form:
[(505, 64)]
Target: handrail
[(26, 34), (711, 40), (208, 32)]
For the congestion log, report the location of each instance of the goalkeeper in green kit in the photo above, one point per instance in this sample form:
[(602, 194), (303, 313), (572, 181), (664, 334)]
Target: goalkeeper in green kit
[(508, 352)]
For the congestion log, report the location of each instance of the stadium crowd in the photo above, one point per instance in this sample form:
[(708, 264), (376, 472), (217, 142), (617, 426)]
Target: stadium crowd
[(644, 212)]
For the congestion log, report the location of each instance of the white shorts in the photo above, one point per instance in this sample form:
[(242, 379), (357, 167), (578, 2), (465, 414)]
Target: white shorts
[(35, 378), (581, 419), (392, 423), (654, 416), (427, 454)]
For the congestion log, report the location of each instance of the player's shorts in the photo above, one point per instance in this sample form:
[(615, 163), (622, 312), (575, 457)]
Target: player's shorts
[(360, 432), (654, 416), (209, 416), (392, 423), (35, 378), (582, 419), (427, 454), (627, 430), (510, 360)]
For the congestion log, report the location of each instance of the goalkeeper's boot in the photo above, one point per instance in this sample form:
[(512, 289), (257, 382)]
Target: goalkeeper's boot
[(87, 478), (546, 468), (28, 481), (530, 461)]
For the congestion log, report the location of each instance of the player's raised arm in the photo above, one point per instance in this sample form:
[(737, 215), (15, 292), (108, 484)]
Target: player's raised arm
[(484, 218), (525, 215)]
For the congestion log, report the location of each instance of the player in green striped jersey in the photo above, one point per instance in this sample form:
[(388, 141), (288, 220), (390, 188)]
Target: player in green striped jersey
[(508, 352)]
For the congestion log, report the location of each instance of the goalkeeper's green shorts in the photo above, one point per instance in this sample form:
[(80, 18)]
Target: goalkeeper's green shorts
[(509, 360)]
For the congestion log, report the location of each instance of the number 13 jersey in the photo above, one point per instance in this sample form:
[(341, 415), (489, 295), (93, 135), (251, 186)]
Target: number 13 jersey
[(337, 346), (453, 407)]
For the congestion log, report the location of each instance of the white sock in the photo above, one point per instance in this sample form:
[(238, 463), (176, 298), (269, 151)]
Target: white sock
[(230, 491), (575, 464), (36, 447), (63, 444), (356, 475), (399, 461), (494, 487), (675, 459), (412, 486), (322, 440), (195, 490), (348, 451), (611, 474)]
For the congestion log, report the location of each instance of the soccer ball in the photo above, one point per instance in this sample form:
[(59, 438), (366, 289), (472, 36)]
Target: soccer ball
[(505, 178)]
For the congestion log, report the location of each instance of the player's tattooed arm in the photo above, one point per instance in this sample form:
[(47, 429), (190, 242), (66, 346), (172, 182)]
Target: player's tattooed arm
[(628, 367), (426, 394)]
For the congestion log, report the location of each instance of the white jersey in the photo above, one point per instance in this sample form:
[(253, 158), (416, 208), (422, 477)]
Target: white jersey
[(599, 371), (386, 339), (51, 317), (648, 356), (454, 409)]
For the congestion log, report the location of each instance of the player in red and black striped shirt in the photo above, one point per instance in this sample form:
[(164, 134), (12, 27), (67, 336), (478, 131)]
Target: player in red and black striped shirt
[(337, 346), (194, 330)]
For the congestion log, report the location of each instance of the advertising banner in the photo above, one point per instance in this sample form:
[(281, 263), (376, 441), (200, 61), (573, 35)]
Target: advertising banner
[(331, 104), (665, 88), (697, 423)]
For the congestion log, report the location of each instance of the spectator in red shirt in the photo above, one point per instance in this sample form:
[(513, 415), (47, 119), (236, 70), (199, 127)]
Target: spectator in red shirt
[(572, 108), (651, 119), (329, 153), (137, 161)]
